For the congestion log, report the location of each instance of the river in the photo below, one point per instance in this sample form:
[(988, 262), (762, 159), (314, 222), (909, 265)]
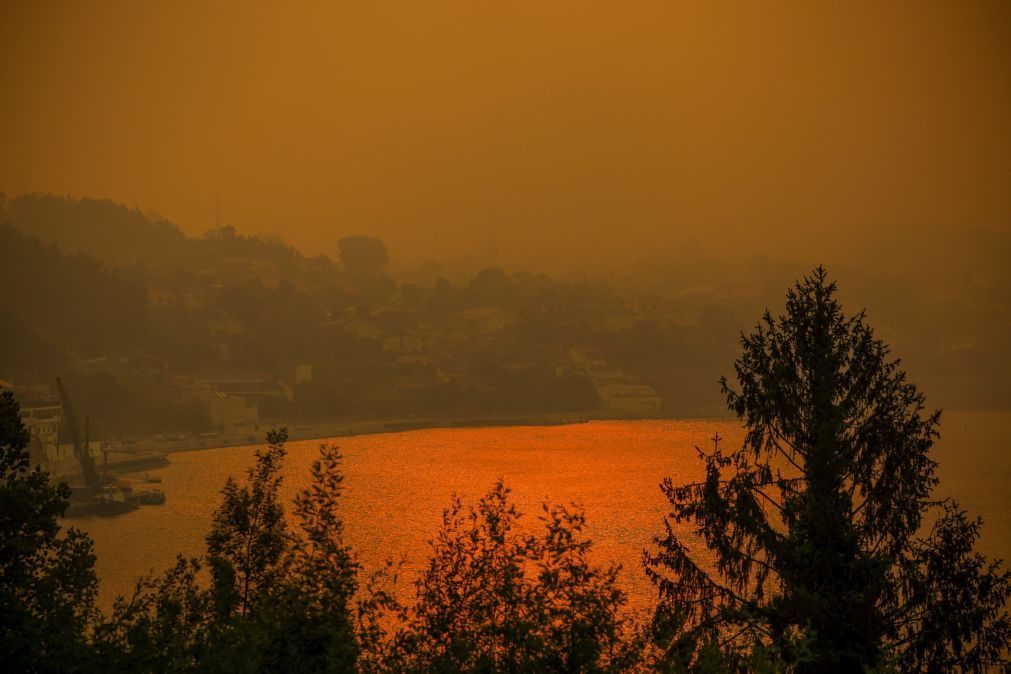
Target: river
[(397, 485)]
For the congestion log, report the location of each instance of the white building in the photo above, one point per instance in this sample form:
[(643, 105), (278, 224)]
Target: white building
[(41, 413)]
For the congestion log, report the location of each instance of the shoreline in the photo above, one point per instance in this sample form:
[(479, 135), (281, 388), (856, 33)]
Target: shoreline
[(140, 454), (150, 452), (299, 431)]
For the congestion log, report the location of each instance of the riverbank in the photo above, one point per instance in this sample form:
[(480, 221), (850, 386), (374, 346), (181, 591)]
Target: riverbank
[(141, 453), (342, 429), (299, 430)]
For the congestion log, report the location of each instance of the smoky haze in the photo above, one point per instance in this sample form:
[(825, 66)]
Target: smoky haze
[(554, 237), (555, 136)]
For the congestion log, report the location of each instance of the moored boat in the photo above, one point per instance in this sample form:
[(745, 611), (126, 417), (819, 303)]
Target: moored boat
[(108, 501)]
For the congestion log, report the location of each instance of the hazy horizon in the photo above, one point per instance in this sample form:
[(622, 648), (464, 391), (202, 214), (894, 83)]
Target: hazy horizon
[(542, 137)]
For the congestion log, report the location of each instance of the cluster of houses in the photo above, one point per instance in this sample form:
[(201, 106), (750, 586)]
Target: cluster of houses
[(619, 392), (416, 348), (422, 352), (231, 397)]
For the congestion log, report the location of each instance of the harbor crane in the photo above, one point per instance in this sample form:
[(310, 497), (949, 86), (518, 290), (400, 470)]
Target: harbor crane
[(81, 449)]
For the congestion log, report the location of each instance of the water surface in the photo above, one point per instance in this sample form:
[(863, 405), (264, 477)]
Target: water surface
[(399, 483)]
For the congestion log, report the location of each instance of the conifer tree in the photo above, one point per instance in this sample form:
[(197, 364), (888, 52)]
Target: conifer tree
[(822, 528)]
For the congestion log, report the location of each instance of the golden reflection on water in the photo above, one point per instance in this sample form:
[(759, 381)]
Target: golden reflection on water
[(397, 485)]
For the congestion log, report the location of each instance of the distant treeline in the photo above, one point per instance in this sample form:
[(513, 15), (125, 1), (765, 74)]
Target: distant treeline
[(110, 231), (71, 301)]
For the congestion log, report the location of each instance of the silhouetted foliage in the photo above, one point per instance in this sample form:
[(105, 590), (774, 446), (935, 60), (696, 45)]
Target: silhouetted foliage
[(320, 588), (246, 545), (167, 625), (279, 600), (815, 526), (493, 599), (47, 580)]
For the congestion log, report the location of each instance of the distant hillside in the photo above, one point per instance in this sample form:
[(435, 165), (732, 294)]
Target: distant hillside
[(123, 236), (70, 301), (98, 227), (24, 354)]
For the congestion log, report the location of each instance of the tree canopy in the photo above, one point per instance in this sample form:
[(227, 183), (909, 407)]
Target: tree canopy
[(823, 523), (363, 256), (47, 579), (493, 599)]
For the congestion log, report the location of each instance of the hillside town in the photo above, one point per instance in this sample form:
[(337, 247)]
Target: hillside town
[(211, 339), (166, 340)]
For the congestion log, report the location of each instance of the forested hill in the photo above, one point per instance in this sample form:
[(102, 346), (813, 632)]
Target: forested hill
[(99, 227), (123, 236), (70, 303)]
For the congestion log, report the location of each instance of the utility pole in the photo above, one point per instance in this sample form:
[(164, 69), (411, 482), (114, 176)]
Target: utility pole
[(217, 213)]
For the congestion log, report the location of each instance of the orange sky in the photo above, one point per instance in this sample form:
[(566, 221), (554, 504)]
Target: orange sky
[(572, 131)]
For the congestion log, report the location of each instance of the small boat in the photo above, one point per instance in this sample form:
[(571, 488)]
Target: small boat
[(107, 501)]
